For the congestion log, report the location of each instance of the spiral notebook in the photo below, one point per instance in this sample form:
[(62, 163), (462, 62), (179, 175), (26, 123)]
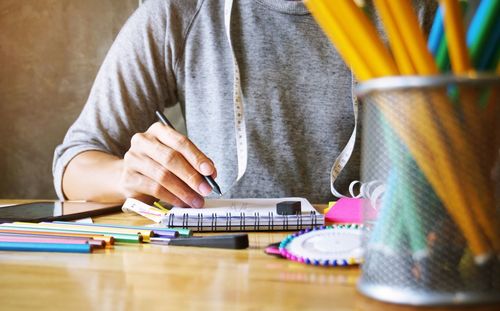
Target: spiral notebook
[(243, 215)]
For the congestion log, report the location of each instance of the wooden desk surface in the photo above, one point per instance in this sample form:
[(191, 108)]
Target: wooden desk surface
[(157, 277)]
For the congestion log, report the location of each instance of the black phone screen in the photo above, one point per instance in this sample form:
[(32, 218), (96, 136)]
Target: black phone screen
[(55, 210)]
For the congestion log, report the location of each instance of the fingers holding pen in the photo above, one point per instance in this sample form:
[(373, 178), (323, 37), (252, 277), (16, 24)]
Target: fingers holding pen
[(157, 181), (182, 144), (173, 161)]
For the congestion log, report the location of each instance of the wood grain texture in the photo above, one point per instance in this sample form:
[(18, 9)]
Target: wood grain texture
[(156, 277), (50, 51)]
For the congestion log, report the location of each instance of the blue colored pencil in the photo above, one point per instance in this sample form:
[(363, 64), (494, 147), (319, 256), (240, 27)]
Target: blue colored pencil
[(437, 32), (45, 247)]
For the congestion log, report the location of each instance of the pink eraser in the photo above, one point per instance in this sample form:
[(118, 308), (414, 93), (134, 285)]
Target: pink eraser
[(346, 210)]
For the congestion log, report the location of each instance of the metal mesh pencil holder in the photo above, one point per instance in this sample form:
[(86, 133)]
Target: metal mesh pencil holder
[(430, 167)]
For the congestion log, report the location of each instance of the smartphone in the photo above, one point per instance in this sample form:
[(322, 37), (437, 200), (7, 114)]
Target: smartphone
[(55, 210)]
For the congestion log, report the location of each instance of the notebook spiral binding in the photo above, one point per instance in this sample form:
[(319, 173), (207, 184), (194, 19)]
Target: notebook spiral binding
[(244, 222)]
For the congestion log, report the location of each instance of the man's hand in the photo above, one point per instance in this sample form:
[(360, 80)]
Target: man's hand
[(166, 165)]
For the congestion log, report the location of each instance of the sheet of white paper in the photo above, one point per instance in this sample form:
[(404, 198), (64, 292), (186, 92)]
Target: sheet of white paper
[(221, 207)]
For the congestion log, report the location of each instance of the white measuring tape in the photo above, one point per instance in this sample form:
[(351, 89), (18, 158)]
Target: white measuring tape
[(239, 118), (240, 126), (345, 155)]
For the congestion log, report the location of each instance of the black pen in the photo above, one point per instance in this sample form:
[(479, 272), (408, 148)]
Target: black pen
[(215, 188)]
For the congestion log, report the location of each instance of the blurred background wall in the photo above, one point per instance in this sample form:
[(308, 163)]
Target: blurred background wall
[(50, 51)]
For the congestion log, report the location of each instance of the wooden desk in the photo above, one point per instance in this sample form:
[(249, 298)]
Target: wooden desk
[(156, 277)]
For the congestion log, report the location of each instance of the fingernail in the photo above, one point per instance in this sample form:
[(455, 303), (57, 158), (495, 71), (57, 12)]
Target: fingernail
[(197, 203), (206, 168), (205, 188)]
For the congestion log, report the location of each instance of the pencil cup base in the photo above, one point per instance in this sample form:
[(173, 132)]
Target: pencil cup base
[(425, 298)]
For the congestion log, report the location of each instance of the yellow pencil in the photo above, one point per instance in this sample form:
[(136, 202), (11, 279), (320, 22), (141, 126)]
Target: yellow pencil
[(455, 36), (399, 49), (460, 63), (476, 178), (353, 21), (341, 40), (413, 37)]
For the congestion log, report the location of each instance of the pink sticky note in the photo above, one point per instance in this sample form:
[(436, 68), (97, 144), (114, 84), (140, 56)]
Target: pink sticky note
[(346, 210)]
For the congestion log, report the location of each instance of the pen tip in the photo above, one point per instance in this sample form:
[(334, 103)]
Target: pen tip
[(213, 184)]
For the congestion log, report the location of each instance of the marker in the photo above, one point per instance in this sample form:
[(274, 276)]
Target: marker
[(229, 241), (215, 188)]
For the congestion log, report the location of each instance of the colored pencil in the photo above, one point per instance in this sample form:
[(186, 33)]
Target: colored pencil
[(413, 37), (396, 41), (460, 140), (405, 219), (439, 168), (455, 36), (482, 203), (491, 52), (460, 63), (412, 219), (437, 32), (29, 239), (343, 42), (45, 247), (108, 240), (96, 228), (443, 149), (433, 138), (442, 56), (118, 237), (481, 26), (364, 34), (156, 230), (91, 241)]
